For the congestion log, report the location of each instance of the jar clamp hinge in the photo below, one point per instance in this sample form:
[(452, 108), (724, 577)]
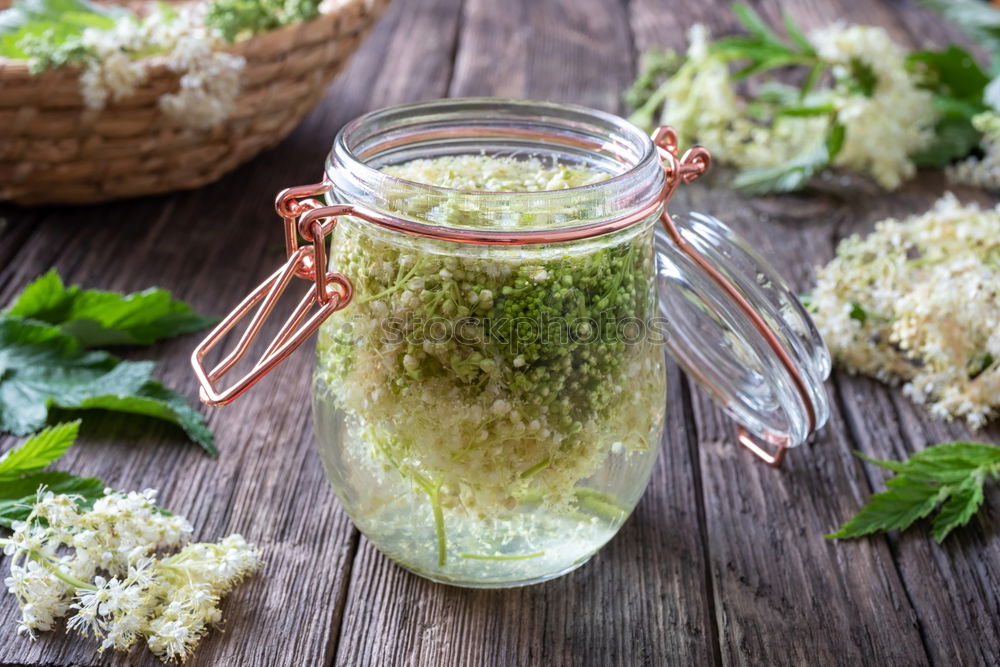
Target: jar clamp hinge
[(306, 216)]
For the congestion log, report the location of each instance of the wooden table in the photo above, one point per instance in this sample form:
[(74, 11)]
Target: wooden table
[(724, 561)]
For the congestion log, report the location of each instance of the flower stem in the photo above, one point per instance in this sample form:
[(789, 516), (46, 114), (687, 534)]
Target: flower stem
[(57, 572)]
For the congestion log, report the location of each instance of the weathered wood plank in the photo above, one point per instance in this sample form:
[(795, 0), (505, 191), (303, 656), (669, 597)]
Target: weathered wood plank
[(559, 50), (643, 597)]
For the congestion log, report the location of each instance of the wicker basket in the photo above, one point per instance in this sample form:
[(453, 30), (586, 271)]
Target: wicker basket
[(55, 150)]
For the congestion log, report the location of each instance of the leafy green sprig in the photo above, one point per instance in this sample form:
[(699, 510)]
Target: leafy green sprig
[(948, 476), (45, 362), (22, 472), (960, 90)]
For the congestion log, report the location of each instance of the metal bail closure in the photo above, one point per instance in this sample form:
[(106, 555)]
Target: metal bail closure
[(733, 323), (329, 291)]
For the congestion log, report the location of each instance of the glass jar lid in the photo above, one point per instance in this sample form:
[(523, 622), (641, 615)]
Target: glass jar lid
[(765, 369)]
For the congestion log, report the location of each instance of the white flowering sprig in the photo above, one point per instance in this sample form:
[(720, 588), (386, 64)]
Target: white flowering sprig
[(103, 567), (860, 102), (916, 302)]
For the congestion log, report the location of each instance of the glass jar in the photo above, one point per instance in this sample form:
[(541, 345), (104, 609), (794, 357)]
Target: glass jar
[(489, 391)]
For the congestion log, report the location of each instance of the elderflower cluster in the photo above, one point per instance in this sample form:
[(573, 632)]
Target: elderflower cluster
[(210, 78), (102, 567), (916, 301), (981, 172), (885, 128)]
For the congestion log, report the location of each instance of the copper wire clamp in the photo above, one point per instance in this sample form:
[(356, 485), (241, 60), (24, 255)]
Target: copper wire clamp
[(306, 216)]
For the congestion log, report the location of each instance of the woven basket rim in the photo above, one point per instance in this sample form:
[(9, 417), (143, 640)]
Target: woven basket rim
[(21, 67)]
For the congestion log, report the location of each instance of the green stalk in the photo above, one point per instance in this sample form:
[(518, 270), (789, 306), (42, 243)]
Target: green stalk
[(435, 497), (57, 572)]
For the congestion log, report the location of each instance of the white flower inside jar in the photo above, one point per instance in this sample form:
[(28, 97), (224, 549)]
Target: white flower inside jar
[(504, 282)]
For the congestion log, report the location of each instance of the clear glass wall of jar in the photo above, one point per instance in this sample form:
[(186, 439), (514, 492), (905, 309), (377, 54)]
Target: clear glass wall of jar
[(489, 413)]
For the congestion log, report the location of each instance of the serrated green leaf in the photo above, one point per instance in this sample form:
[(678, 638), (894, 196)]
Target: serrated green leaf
[(897, 508), (959, 508), (835, 140), (152, 399), (42, 367), (949, 474), (38, 451), (98, 318), (17, 496), (796, 35)]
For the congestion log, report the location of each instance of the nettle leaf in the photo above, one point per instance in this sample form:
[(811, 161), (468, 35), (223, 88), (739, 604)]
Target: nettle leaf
[(38, 451), (958, 85), (950, 475), (41, 367), (17, 496), (952, 72), (99, 318)]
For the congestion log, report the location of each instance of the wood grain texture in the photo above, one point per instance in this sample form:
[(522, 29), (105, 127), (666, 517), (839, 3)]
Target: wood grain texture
[(724, 560)]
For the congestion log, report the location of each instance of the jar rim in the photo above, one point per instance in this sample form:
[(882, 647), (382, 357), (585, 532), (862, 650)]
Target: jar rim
[(629, 196)]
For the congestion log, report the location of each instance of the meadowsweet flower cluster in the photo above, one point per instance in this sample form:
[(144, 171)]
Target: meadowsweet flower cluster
[(102, 567), (981, 172), (886, 118), (702, 104), (887, 125), (119, 49), (210, 78), (525, 390), (916, 302)]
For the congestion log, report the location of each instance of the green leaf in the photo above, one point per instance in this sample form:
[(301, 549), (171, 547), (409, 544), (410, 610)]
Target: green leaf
[(42, 367), (858, 313), (958, 85), (863, 79), (57, 21), (951, 72), (950, 474), (99, 318), (796, 35), (959, 508), (38, 451), (954, 138), (17, 497), (756, 26), (788, 177)]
